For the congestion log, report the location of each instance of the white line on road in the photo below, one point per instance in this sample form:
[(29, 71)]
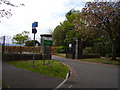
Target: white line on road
[(62, 82), (70, 86)]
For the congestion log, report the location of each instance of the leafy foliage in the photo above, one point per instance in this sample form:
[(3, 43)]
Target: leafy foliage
[(96, 26), (104, 17), (60, 49), (58, 36), (21, 38)]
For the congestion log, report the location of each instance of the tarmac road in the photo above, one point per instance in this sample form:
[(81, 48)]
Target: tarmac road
[(90, 75)]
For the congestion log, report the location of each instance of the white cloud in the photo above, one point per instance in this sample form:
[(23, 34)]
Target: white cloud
[(48, 13)]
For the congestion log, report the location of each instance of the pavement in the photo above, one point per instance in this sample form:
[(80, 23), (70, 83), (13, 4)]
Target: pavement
[(21, 78), (90, 75)]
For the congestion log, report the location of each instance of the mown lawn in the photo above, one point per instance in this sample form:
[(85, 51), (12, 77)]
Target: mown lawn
[(54, 69), (61, 54), (102, 60)]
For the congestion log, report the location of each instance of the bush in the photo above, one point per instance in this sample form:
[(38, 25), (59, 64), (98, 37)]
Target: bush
[(19, 49), (91, 56), (60, 49), (53, 50), (88, 50), (15, 56)]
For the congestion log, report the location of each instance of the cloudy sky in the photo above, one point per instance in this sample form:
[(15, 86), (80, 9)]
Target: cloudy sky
[(48, 14)]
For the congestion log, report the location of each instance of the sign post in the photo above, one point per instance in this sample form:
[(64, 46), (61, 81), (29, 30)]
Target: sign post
[(34, 31), (46, 43)]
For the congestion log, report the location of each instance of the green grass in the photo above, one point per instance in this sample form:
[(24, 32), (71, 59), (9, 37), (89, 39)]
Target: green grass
[(102, 60), (118, 58), (61, 54), (54, 69)]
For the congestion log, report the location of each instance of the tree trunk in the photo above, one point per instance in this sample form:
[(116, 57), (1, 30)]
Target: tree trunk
[(114, 49)]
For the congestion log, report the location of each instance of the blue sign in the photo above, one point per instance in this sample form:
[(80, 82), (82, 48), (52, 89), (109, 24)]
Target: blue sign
[(35, 24)]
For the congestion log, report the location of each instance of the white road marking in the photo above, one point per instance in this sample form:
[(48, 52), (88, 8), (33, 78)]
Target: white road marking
[(70, 86), (62, 82)]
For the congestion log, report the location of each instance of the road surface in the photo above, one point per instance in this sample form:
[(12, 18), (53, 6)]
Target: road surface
[(90, 75)]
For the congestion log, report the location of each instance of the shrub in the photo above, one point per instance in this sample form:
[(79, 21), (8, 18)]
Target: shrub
[(19, 49), (60, 49), (88, 50), (53, 50)]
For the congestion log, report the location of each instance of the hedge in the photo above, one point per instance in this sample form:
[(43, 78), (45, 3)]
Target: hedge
[(15, 56), (11, 49)]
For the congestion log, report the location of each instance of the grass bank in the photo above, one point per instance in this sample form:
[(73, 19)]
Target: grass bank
[(54, 69)]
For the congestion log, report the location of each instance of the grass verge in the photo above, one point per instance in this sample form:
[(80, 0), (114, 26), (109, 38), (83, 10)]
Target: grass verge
[(97, 60), (102, 60), (54, 69), (61, 54)]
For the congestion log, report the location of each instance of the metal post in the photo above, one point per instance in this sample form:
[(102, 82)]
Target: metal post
[(76, 49), (34, 50)]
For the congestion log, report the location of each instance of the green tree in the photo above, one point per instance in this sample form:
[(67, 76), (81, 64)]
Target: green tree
[(71, 15), (61, 34), (68, 25), (21, 38), (104, 16), (58, 36)]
